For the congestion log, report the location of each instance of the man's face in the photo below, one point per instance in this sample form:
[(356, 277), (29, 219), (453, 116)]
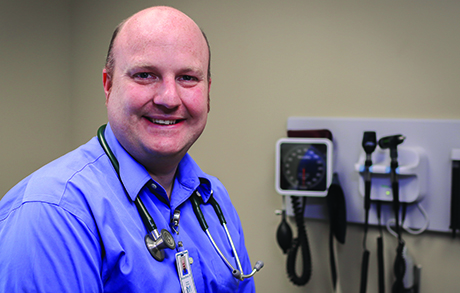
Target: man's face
[(157, 96)]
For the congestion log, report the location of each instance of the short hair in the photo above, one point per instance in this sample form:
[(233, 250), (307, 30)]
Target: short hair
[(110, 59)]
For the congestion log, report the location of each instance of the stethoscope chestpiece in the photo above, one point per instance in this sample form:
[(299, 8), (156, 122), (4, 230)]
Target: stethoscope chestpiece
[(155, 247)]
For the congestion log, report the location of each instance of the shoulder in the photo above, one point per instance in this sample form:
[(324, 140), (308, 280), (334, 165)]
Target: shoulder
[(51, 183), (65, 173)]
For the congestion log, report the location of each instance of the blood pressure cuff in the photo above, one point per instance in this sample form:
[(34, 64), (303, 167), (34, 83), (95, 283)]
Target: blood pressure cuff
[(315, 133)]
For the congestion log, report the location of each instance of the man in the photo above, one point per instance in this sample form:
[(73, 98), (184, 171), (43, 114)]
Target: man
[(72, 226)]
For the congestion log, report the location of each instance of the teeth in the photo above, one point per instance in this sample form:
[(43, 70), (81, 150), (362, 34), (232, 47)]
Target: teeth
[(164, 122)]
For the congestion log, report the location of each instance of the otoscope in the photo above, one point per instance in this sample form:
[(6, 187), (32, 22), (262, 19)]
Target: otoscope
[(391, 142), (400, 266), (369, 145)]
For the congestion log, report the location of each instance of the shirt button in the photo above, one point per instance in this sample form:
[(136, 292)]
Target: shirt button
[(153, 185)]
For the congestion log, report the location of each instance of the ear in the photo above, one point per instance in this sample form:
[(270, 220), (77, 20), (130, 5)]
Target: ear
[(107, 83), (209, 95)]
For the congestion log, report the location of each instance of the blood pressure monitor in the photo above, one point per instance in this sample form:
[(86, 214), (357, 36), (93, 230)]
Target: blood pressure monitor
[(303, 166)]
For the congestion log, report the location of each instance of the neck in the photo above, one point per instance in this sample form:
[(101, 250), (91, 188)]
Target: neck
[(165, 181), (165, 176)]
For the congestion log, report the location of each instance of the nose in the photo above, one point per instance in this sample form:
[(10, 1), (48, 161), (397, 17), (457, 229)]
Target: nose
[(168, 95)]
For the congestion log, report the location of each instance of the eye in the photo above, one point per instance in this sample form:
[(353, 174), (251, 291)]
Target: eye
[(188, 78), (142, 75)]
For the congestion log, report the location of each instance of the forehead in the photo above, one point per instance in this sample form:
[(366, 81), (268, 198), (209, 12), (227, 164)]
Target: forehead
[(149, 34)]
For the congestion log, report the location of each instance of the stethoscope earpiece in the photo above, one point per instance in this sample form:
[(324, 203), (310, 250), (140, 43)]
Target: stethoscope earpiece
[(155, 247), (237, 274)]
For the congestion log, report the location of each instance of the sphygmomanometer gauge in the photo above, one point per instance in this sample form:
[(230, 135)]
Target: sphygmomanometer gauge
[(304, 166)]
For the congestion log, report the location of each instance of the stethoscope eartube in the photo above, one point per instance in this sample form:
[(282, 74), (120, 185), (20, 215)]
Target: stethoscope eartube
[(155, 241), (196, 201)]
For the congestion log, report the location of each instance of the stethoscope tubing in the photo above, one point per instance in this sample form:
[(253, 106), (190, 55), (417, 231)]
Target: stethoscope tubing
[(195, 199), (221, 217), (145, 215), (233, 248)]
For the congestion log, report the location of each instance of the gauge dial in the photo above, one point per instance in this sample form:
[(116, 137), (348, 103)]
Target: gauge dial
[(304, 167)]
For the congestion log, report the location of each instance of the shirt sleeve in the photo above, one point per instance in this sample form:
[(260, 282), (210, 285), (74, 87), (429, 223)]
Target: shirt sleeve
[(247, 285), (44, 248)]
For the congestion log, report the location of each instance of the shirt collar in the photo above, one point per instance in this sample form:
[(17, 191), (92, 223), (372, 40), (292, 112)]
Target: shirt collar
[(189, 176), (133, 175)]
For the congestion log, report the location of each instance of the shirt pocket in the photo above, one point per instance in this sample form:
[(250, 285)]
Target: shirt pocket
[(225, 281)]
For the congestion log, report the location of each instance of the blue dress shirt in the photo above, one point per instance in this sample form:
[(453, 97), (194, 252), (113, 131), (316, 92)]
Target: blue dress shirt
[(70, 227)]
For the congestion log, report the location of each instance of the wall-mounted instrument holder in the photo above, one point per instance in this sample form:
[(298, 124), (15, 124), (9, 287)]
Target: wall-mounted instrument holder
[(412, 172), (425, 167)]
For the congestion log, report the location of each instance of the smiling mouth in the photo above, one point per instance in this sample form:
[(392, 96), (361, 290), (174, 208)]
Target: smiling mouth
[(164, 122)]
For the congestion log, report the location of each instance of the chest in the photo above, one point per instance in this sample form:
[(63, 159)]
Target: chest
[(127, 265)]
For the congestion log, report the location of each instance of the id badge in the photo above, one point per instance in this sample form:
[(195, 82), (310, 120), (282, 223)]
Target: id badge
[(185, 272)]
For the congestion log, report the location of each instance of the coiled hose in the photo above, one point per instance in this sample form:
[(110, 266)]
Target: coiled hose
[(302, 242)]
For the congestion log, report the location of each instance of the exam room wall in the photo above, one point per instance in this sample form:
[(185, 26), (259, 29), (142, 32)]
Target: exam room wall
[(271, 60), (34, 86)]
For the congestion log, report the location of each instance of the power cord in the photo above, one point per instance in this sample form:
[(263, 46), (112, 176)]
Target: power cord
[(300, 242), (407, 228)]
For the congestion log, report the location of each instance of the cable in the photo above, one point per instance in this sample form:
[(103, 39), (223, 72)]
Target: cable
[(380, 256), (302, 242), (369, 144), (407, 228)]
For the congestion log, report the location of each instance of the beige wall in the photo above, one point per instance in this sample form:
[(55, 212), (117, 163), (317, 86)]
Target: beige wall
[(34, 86), (271, 60)]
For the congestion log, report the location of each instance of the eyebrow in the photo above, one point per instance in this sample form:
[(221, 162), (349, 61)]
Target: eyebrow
[(195, 70)]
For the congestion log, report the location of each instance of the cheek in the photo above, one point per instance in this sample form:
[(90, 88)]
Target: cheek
[(198, 104), (199, 111), (124, 100)]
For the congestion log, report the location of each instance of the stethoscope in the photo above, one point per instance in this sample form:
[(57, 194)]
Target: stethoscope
[(157, 241)]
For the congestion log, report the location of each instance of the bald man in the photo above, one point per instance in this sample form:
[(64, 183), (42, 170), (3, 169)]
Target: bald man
[(90, 221)]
